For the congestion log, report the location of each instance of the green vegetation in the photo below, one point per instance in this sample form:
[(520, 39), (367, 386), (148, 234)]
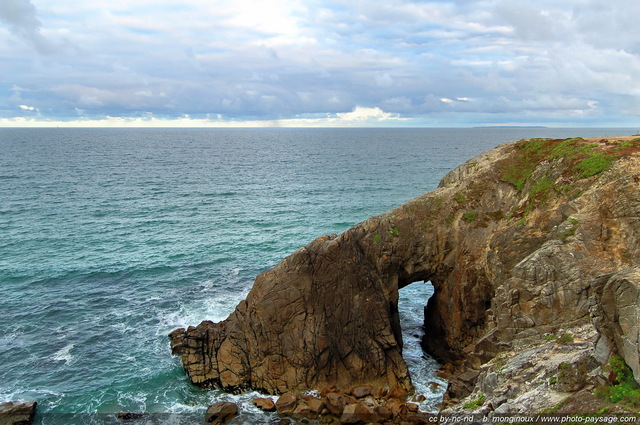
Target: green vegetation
[(394, 232), (470, 216), (569, 148), (568, 162), (541, 186), (450, 219), (594, 164), (553, 409), (518, 175), (627, 144), (563, 367), (564, 339), (475, 403), (626, 390), (584, 159), (376, 238), (538, 193), (518, 170), (459, 198), (571, 231)]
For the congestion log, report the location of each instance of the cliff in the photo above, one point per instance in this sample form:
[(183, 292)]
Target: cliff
[(523, 244)]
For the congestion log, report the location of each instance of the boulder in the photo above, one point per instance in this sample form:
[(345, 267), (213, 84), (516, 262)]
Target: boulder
[(303, 410), (396, 407), (336, 402), (357, 413), (316, 405), (398, 392), (361, 392), (221, 412), (287, 403), (384, 413), (265, 404)]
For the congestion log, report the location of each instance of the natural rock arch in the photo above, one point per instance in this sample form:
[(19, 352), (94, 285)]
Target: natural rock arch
[(511, 241)]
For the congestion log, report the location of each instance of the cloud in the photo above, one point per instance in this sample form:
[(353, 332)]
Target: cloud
[(282, 62), (22, 18), (359, 117)]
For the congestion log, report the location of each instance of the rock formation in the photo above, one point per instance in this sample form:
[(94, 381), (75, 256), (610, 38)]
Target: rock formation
[(17, 413), (221, 412), (523, 241)]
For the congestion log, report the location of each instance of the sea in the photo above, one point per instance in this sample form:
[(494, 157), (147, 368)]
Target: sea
[(112, 238)]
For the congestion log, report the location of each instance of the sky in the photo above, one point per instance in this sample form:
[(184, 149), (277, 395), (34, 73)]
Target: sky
[(440, 63)]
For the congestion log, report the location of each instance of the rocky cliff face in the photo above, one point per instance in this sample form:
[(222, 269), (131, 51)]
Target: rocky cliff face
[(533, 238)]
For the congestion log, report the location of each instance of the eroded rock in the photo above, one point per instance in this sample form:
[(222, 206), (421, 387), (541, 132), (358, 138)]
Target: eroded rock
[(265, 404), (511, 240), (221, 412), (616, 311), (17, 413), (287, 403)]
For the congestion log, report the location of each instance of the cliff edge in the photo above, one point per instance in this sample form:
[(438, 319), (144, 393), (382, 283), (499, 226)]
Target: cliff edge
[(525, 243)]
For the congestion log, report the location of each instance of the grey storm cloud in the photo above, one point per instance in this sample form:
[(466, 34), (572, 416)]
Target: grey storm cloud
[(22, 19)]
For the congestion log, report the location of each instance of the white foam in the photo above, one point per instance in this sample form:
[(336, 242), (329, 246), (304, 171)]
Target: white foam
[(64, 354), (215, 308), (421, 366), (206, 285), (137, 400)]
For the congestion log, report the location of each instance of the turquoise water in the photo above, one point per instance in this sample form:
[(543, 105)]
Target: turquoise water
[(111, 238)]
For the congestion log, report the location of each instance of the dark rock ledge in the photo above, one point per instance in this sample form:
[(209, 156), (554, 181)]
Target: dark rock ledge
[(524, 244), (17, 413)]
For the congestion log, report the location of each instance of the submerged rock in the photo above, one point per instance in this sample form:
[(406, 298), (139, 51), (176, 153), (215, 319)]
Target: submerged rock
[(520, 242), (130, 416)]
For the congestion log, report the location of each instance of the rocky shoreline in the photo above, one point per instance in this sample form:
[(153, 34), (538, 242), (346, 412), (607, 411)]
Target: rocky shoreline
[(532, 249), (360, 405)]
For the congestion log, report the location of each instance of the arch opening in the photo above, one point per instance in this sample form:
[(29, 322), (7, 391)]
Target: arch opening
[(423, 367)]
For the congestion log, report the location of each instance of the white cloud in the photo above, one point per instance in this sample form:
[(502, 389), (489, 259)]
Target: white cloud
[(360, 116), (26, 108), (279, 60)]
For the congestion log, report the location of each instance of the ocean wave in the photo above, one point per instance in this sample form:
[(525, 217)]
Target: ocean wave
[(64, 354)]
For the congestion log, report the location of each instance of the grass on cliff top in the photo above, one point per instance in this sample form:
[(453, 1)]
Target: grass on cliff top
[(576, 159), (583, 159)]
